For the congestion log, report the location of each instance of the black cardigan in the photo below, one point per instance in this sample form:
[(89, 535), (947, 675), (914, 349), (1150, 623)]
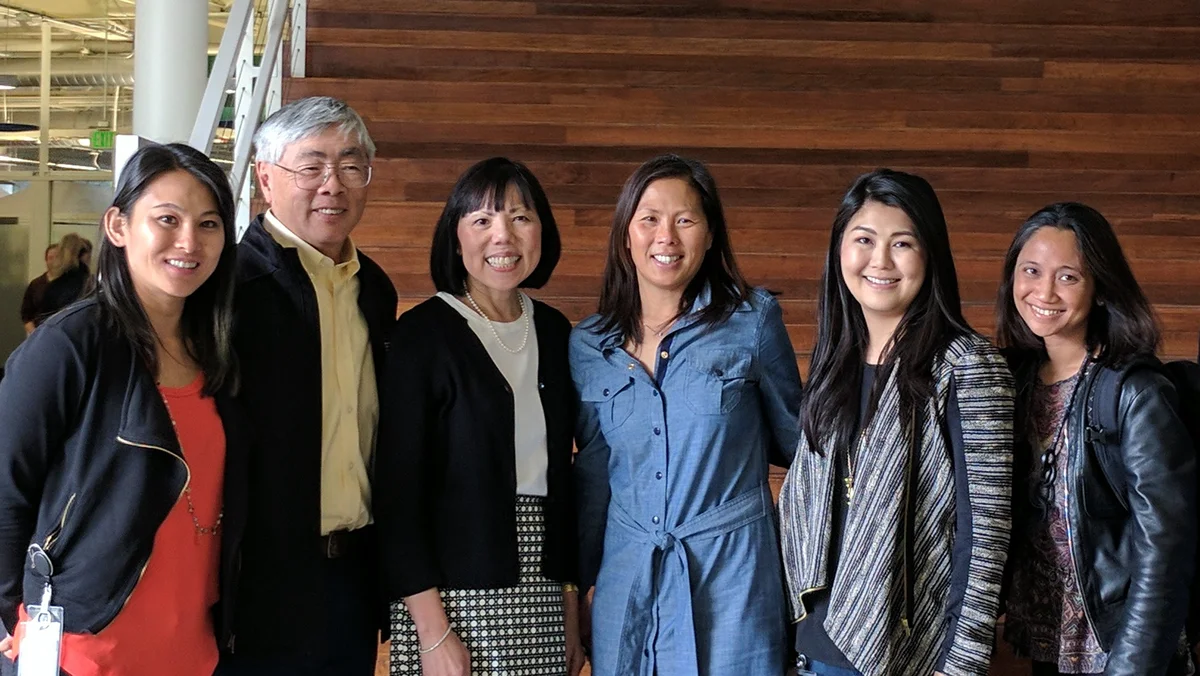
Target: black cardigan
[(90, 467), (445, 467)]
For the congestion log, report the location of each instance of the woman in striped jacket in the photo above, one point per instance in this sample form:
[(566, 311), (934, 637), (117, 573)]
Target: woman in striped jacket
[(895, 515)]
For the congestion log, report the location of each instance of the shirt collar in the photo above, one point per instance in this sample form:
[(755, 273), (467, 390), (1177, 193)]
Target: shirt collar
[(701, 301), (612, 339), (312, 259)]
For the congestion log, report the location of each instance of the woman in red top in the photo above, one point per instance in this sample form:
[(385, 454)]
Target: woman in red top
[(119, 459)]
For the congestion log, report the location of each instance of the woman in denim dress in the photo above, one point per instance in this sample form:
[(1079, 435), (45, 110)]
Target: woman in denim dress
[(689, 389)]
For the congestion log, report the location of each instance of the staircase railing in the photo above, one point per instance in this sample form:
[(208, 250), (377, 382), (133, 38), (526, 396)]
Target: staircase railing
[(256, 88)]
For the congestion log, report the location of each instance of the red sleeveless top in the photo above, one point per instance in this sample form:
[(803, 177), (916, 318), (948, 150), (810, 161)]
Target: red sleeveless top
[(166, 626)]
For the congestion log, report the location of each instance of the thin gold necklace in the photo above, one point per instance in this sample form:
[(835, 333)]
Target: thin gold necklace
[(662, 329)]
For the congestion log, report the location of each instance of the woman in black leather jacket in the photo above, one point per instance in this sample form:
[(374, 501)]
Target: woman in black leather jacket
[(1099, 570)]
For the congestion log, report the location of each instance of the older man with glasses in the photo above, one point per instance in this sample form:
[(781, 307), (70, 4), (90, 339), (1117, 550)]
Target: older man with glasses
[(312, 313)]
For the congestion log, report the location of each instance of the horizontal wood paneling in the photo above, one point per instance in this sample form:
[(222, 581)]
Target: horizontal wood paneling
[(1004, 107)]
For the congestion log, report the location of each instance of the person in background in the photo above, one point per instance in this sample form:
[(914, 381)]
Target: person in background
[(122, 462), (85, 255), (312, 314), (31, 302), (71, 276), (1103, 545), (689, 389), (475, 506), (896, 513)]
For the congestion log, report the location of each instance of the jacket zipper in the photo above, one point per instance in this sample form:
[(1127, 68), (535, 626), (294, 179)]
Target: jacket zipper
[(904, 620), (904, 569), (187, 482), (907, 545), (800, 597), (52, 536), (1071, 531), (834, 495)]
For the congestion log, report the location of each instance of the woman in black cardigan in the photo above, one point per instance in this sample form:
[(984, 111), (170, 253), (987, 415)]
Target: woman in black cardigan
[(474, 500)]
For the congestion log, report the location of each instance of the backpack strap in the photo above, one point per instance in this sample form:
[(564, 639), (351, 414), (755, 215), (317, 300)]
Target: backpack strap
[(1102, 428)]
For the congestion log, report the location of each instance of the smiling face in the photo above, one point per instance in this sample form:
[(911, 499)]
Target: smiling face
[(172, 236), (500, 248), (668, 236), (1052, 289), (883, 264), (323, 216)]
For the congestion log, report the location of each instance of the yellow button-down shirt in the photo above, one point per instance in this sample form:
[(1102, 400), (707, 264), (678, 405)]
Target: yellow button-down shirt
[(349, 397)]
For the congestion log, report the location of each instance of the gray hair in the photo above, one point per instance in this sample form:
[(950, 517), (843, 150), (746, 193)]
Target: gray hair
[(305, 118)]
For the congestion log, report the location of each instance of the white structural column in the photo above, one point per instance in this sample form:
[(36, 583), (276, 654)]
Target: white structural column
[(40, 190), (44, 104), (170, 67)]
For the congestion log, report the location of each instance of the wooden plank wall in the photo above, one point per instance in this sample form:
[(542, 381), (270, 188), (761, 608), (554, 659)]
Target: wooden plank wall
[(1003, 106)]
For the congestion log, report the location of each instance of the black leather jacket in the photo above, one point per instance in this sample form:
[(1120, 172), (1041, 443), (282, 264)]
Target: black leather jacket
[(1134, 549)]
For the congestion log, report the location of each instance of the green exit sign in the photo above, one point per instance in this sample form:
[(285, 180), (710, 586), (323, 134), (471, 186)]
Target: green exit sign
[(103, 139)]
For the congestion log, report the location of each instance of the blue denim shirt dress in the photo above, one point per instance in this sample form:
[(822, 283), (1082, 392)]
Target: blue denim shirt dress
[(677, 525)]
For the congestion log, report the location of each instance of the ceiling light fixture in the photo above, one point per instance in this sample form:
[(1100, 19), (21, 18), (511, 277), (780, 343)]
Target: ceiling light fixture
[(8, 82)]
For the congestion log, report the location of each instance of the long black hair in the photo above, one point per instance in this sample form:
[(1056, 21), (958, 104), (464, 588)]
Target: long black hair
[(932, 320), (484, 181), (620, 301), (207, 321), (1120, 323)]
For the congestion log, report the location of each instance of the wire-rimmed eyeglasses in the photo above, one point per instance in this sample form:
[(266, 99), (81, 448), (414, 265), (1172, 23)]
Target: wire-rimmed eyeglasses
[(313, 176)]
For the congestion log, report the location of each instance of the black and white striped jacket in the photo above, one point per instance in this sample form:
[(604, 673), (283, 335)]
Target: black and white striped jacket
[(888, 600)]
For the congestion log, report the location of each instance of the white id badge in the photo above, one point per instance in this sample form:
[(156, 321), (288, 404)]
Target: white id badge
[(41, 641)]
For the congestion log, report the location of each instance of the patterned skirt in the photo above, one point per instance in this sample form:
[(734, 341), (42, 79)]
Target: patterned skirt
[(514, 631)]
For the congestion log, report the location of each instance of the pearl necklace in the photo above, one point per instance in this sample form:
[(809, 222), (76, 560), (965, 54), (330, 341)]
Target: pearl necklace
[(524, 313)]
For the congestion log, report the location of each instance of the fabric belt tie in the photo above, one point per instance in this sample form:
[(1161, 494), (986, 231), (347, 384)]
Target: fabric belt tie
[(666, 548)]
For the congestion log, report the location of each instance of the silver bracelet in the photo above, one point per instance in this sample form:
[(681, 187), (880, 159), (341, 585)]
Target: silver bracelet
[(435, 646)]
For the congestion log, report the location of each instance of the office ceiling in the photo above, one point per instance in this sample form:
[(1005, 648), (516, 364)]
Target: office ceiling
[(91, 68)]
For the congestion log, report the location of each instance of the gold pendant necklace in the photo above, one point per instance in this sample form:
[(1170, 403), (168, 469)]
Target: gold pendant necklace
[(662, 329), (848, 482)]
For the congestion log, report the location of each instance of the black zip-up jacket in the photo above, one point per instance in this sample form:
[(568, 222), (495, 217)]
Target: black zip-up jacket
[(1133, 551), (89, 469), (446, 464), (277, 333)]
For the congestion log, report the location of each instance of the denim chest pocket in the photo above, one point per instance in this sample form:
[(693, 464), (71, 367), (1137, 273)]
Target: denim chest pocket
[(613, 398), (716, 380)]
